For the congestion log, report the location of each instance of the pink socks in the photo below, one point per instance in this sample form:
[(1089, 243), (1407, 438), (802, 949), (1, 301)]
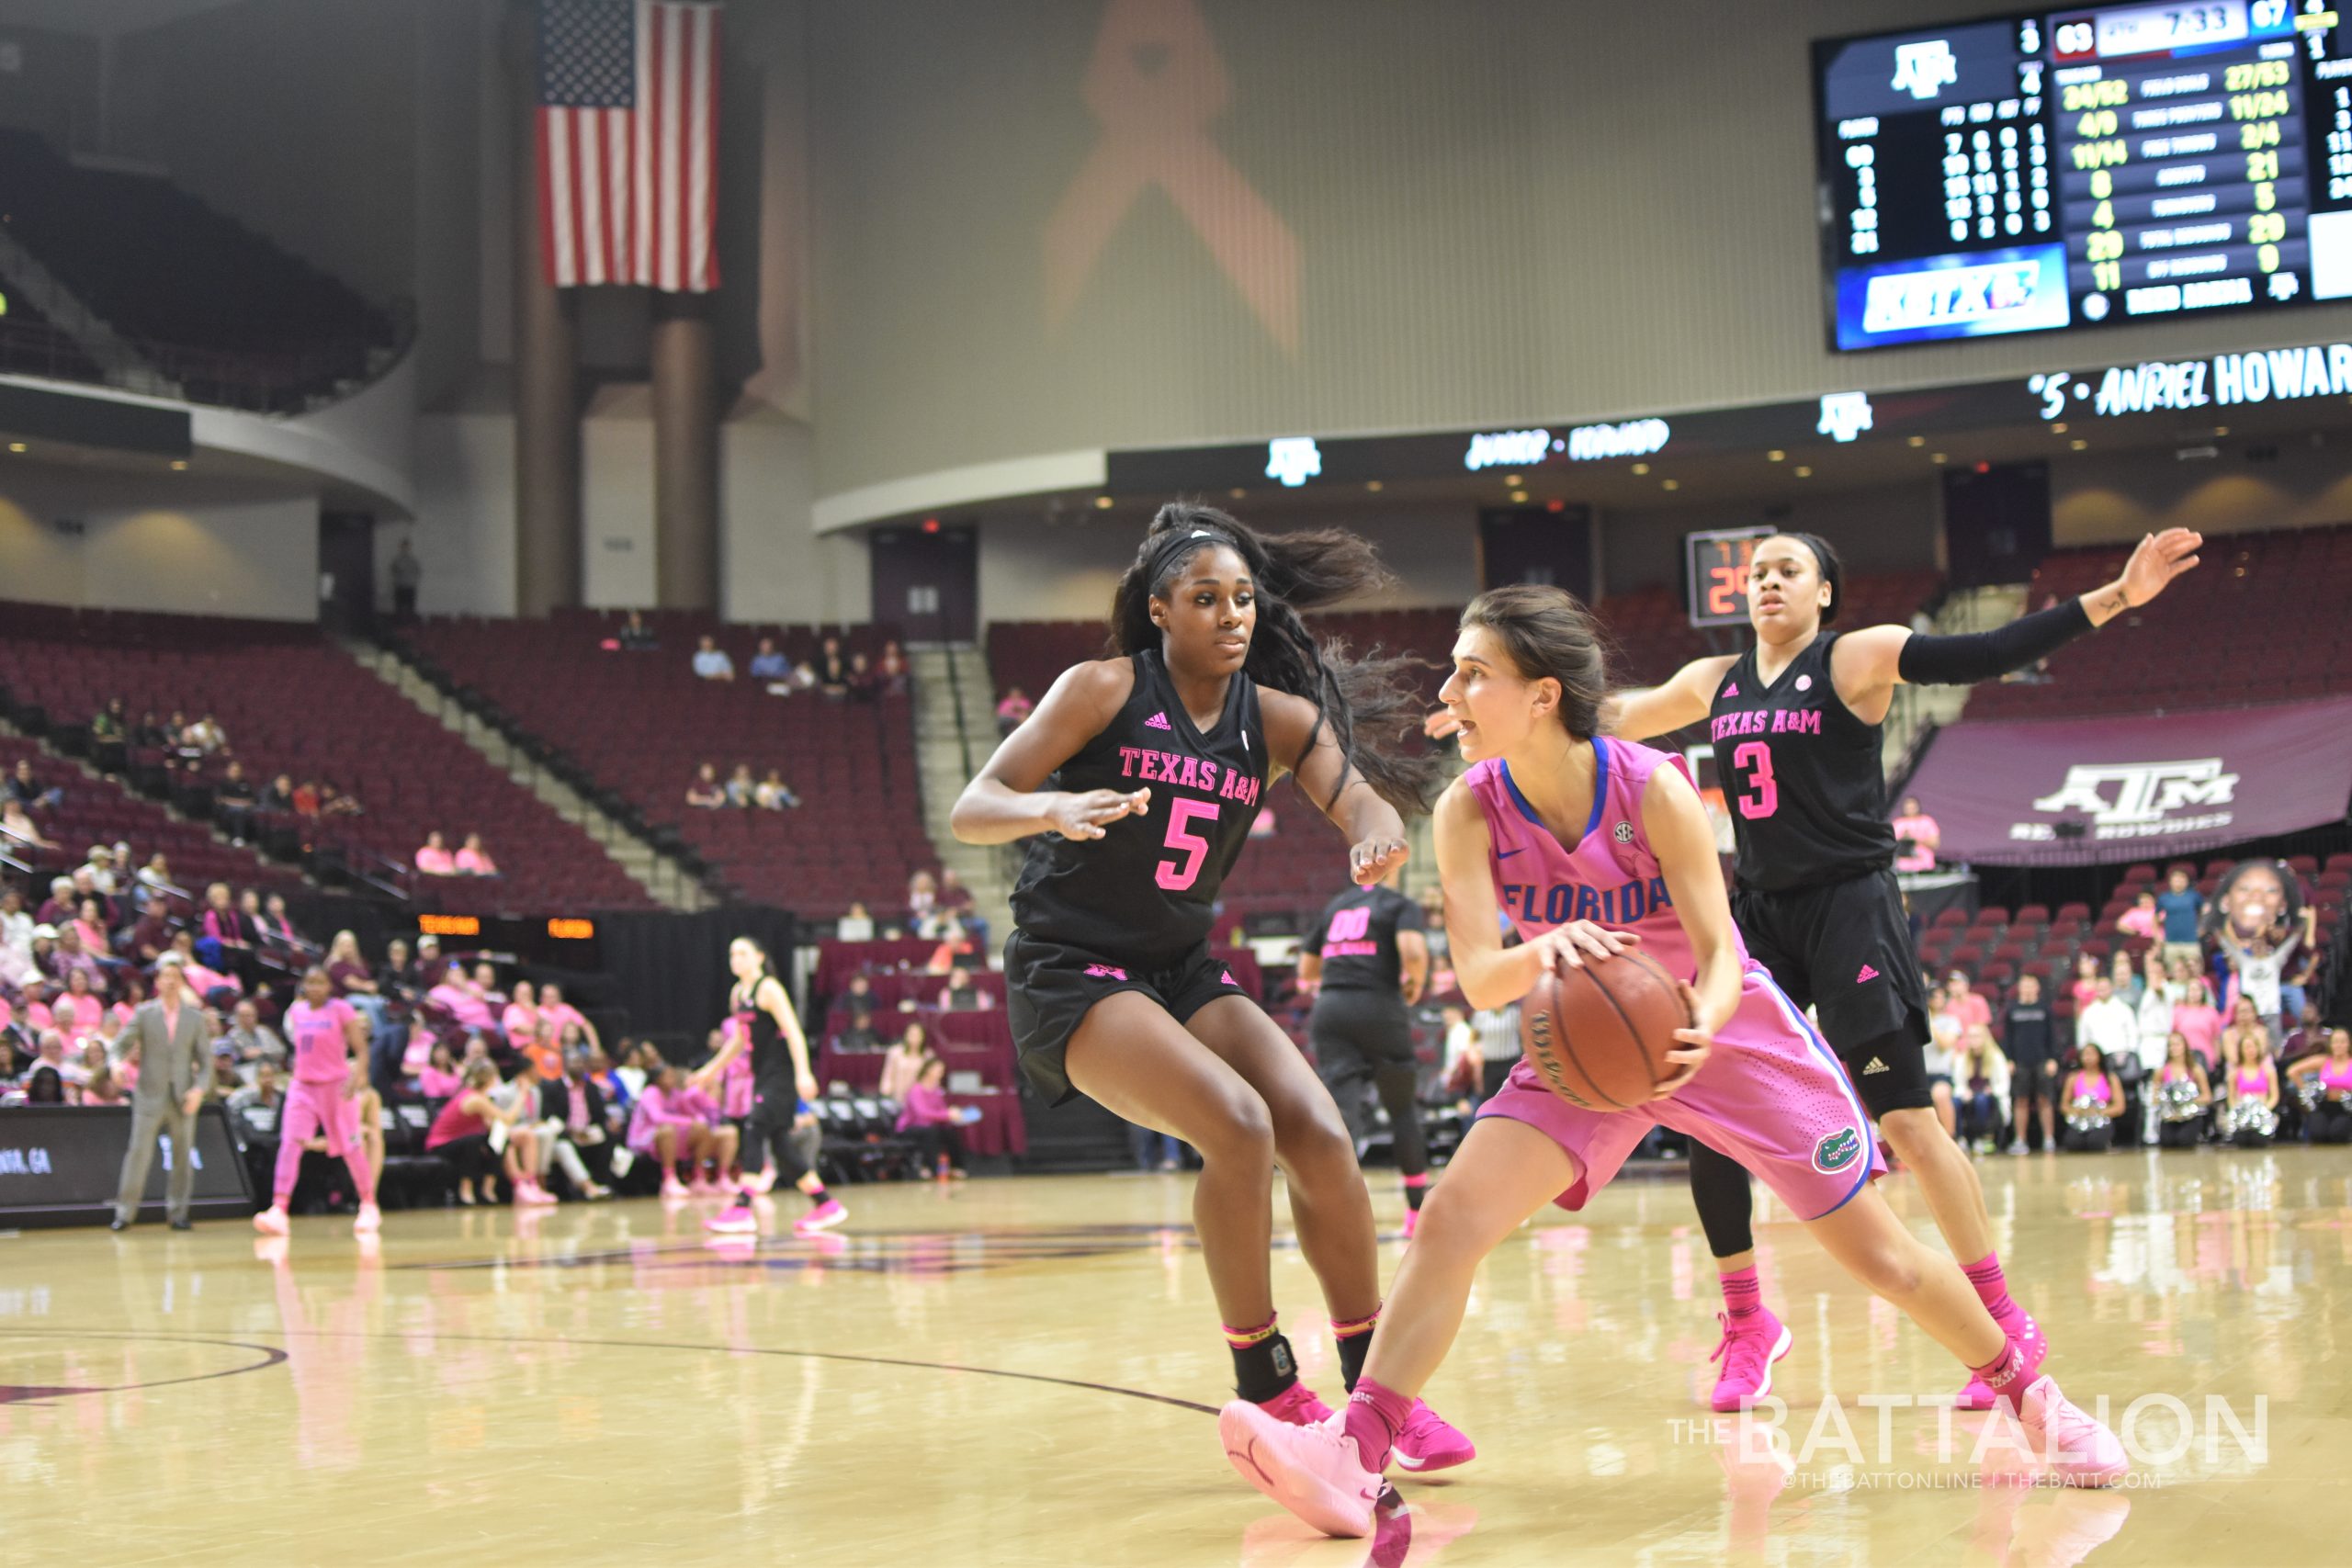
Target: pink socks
[(1374, 1416), (1741, 1294)]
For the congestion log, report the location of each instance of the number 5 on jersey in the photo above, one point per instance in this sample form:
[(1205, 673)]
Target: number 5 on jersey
[(1177, 875)]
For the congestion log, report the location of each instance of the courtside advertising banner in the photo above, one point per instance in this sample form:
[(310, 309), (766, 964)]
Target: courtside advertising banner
[(2086, 791)]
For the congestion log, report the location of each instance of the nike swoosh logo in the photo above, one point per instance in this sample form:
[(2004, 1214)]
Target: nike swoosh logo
[(1506, 854), (1404, 1460)]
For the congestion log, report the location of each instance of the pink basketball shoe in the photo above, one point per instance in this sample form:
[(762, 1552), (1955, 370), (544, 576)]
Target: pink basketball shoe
[(1428, 1442), (1315, 1472), (823, 1217), (1748, 1353)]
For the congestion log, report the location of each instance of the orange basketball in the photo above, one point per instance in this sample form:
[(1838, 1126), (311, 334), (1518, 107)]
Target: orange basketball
[(1598, 1036)]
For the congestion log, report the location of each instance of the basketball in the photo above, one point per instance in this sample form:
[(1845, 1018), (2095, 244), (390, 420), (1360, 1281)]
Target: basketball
[(1598, 1035)]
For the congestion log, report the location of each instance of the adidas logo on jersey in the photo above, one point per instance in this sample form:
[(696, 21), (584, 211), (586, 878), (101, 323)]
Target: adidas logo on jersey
[(1866, 976), (1158, 721), (1732, 690), (1876, 1065), (1226, 975)]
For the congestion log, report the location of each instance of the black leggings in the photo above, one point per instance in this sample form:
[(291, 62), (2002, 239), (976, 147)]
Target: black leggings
[(2099, 1140), (937, 1141), (1719, 1183), (2330, 1122), (768, 1134), (2180, 1134), (1363, 1035), (474, 1158)]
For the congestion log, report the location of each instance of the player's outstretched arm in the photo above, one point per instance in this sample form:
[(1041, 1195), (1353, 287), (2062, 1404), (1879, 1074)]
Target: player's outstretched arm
[(1880, 656), (1375, 830), (1683, 699), (1009, 800)]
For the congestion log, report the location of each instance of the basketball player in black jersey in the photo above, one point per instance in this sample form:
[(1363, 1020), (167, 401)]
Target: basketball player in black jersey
[(1364, 963), (1136, 780), (782, 1124), (1795, 726)]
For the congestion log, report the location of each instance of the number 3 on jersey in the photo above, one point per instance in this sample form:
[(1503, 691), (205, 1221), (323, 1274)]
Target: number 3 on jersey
[(1755, 758), (1175, 876)]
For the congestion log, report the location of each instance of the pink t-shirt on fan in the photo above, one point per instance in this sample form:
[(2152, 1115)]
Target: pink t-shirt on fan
[(321, 1054)]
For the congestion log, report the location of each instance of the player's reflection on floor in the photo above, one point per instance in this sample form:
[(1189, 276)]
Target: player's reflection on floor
[(927, 1252), (1403, 1536)]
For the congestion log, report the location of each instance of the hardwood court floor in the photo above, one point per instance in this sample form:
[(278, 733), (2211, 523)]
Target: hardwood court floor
[(1021, 1372)]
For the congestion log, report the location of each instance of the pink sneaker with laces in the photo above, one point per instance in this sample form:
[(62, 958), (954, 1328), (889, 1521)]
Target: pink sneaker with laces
[(1297, 1406), (733, 1220), (673, 1188), (823, 1217), (1748, 1353), (2078, 1448), (1315, 1472), (271, 1221), (1428, 1442), (370, 1218)]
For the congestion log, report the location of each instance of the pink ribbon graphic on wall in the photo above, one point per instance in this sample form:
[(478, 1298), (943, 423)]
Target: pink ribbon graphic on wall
[(1154, 84)]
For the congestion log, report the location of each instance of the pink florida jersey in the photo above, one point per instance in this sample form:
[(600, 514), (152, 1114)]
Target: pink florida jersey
[(321, 1053), (1610, 876)]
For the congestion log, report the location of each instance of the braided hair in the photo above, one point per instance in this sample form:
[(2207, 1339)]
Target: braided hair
[(1368, 701)]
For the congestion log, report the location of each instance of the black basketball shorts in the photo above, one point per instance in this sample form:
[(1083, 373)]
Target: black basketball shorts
[(1050, 988), (1350, 1027), (1844, 948)]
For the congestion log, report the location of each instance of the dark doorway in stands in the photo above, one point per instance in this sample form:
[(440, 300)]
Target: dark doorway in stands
[(347, 570), (927, 581), (1534, 544), (1997, 523)]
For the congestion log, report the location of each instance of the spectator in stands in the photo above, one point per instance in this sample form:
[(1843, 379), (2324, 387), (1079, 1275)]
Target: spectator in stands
[(2259, 963), (2085, 989), (2141, 919), (149, 734), (272, 930), (100, 865), (1916, 837), (2122, 979), (1969, 1007), (1012, 709), (2308, 1038), (2201, 1020), (71, 955), (922, 892), (927, 1120), (861, 678), (636, 636), (234, 799), (662, 1130), (252, 1042), (110, 723), (2246, 1028), (435, 859), (902, 1064), (561, 1015), (707, 790), (579, 1102), (77, 1011), (856, 926), (457, 996), (2179, 1084), (59, 906), (279, 796), (955, 946), (306, 798), (206, 736), (741, 786), (2153, 1008), (150, 936), (223, 932), (2182, 910), (334, 802), (27, 792), (960, 995), (17, 826), (2108, 1023), (213, 986), (768, 663), (265, 1089), (2295, 989), (439, 1078), (85, 885), (474, 860), (2028, 1027), (1981, 1087), (16, 940), (891, 674), (100, 1085), (710, 661), (526, 1029), (407, 572), (90, 924), (43, 1086), (832, 670), (773, 795), (2093, 1102)]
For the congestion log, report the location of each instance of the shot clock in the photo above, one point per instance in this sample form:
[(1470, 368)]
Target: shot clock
[(1716, 566)]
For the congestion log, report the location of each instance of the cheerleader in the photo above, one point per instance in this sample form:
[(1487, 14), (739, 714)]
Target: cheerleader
[(2251, 1119), (2092, 1101), (2180, 1095), (2328, 1082)]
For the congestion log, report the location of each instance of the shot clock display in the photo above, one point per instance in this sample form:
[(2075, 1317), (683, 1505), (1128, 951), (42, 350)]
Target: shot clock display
[(1716, 564), (2085, 167)]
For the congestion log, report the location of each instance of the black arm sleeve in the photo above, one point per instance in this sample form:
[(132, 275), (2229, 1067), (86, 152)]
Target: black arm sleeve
[(1980, 656)]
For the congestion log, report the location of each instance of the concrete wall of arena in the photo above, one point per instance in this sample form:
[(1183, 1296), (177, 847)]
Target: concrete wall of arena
[(2304, 481), (173, 542), (1407, 216)]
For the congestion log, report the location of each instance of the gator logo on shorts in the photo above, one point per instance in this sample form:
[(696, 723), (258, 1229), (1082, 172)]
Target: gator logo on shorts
[(1837, 1151)]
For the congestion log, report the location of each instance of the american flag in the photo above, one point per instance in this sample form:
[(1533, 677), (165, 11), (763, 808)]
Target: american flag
[(628, 142)]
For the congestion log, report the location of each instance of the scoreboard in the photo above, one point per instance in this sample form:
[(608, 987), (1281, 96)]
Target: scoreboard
[(2083, 168)]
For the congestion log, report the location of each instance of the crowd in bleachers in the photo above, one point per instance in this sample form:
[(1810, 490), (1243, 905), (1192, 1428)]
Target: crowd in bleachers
[(285, 743), (778, 763)]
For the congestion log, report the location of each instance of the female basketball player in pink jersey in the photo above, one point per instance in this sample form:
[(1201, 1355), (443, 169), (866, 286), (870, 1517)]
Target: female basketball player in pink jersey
[(1136, 781), (1590, 845), (324, 1099), (1796, 725)]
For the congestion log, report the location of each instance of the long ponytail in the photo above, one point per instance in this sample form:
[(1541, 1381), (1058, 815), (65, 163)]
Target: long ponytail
[(1369, 701)]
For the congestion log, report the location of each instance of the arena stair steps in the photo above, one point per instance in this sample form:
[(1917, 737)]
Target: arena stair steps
[(659, 875), (955, 733), (122, 365)]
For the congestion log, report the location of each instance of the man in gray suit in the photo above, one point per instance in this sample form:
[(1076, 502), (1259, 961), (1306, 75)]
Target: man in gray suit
[(171, 1042)]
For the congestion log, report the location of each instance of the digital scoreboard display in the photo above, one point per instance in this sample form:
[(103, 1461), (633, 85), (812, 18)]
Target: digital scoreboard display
[(2084, 168), (1716, 566)]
